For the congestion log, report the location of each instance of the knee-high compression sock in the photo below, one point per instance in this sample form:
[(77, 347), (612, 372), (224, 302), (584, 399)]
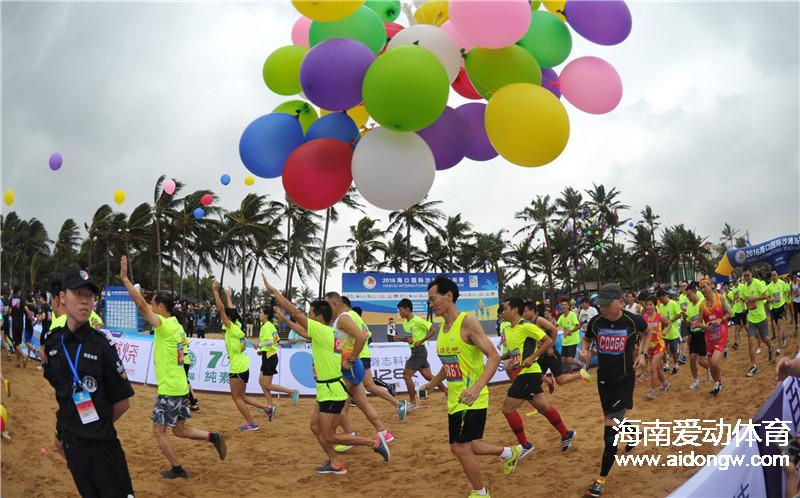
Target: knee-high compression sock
[(515, 422), (609, 451), (555, 420)]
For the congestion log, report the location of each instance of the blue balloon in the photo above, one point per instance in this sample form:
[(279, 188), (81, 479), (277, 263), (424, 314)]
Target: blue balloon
[(199, 213), (267, 142), (337, 125), (225, 179)]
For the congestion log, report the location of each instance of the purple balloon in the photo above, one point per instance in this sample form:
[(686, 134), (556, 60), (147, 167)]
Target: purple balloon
[(447, 138), (332, 73), (478, 146), (55, 161), (550, 81), (605, 22)]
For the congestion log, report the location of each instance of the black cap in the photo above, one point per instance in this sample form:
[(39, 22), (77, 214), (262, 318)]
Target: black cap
[(608, 294), (75, 278)]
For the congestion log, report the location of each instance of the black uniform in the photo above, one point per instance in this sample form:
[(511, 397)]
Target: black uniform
[(94, 454), (615, 343)]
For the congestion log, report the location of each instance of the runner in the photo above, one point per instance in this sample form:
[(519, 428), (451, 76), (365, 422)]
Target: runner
[(461, 346), (235, 345), (331, 393), (570, 328), (697, 338), (685, 329), (631, 305), (268, 340), (508, 365), (171, 408), (796, 300), (526, 342), (739, 311), (17, 318), (350, 340), (656, 324), (370, 383), (30, 321), (754, 293), (616, 331), (671, 310), (776, 289), (716, 313), (550, 359), (417, 332)]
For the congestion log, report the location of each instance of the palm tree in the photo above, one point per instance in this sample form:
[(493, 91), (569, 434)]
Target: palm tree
[(351, 201), (486, 252), (304, 244), (421, 217), (651, 220), (332, 260), (364, 244), (133, 230), (164, 206), (728, 235), (394, 253), (455, 233), (538, 217), (243, 224), (65, 249), (522, 257), (570, 208), (100, 221), (436, 255)]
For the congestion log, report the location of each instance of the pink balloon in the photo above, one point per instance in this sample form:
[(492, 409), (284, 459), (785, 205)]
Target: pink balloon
[(591, 84), (169, 186), (207, 199), (300, 31), (460, 41), (490, 23)]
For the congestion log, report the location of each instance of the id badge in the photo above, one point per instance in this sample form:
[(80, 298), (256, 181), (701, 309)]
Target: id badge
[(85, 405)]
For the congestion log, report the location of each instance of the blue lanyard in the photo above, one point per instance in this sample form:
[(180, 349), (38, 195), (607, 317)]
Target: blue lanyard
[(73, 365)]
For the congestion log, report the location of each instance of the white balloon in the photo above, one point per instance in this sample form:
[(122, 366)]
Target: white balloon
[(392, 170), (435, 39)]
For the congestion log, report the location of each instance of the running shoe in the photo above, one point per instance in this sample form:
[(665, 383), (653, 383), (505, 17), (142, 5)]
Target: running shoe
[(532, 413), (411, 406), (717, 388), (651, 394), (778, 352), (249, 427), (666, 367), (330, 469), (474, 494), (676, 370), (708, 375), (758, 350), (388, 437), (526, 451), (271, 412), (566, 442), (785, 342), (682, 359), (218, 440), (381, 447), (401, 410), (295, 397), (585, 376), (665, 386), (753, 370), (695, 384), (510, 463), (174, 472), (596, 489), (392, 390), (195, 407), (341, 448), (735, 346), (770, 354)]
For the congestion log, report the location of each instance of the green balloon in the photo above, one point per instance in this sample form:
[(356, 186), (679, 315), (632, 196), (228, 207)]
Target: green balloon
[(535, 4), (547, 39), (406, 89), (303, 110), (364, 25), (387, 10), (490, 70), (282, 70)]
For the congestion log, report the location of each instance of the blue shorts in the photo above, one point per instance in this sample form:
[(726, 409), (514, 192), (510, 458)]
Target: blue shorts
[(356, 373)]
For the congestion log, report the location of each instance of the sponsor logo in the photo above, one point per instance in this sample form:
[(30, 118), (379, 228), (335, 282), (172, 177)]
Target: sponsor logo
[(370, 282), (740, 257), (84, 275)]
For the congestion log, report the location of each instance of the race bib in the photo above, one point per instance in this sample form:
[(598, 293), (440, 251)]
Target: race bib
[(337, 345), (180, 353), (751, 305), (515, 357), (242, 344), (715, 332), (776, 297), (452, 370), (85, 406), (694, 322)]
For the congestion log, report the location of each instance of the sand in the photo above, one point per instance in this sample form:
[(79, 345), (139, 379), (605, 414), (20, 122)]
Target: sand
[(279, 460)]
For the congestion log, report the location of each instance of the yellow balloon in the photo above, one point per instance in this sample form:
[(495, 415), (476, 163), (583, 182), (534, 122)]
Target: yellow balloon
[(527, 124), (327, 10), (9, 197), (358, 114), (556, 7), (119, 196), (432, 12), (249, 180)]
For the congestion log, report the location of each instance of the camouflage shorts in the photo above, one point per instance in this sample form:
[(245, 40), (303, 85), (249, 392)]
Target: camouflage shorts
[(169, 409)]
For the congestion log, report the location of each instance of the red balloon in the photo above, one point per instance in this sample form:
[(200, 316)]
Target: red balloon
[(207, 199), (392, 29), (464, 87), (318, 173)]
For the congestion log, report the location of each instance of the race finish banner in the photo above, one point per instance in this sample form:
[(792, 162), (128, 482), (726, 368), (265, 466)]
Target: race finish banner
[(377, 294), (121, 315)]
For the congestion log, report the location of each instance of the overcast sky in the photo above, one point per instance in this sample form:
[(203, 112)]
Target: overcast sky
[(706, 133)]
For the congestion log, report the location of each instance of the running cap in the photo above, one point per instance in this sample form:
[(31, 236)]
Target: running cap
[(609, 293)]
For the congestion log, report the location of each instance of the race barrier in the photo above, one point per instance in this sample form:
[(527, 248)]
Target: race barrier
[(750, 480)]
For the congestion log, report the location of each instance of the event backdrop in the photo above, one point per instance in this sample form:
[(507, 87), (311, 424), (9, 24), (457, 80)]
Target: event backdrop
[(378, 294)]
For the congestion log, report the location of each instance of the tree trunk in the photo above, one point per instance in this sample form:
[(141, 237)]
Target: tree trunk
[(324, 262), (158, 252), (108, 264), (224, 265), (171, 270), (130, 261), (197, 279), (408, 245), (288, 244), (253, 278), (183, 261), (244, 268), (549, 262)]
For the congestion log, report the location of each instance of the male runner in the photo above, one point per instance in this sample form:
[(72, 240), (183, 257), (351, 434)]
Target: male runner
[(462, 346), (550, 359), (616, 332), (716, 313), (697, 338), (671, 310), (570, 328), (776, 289), (417, 332), (739, 312), (754, 294)]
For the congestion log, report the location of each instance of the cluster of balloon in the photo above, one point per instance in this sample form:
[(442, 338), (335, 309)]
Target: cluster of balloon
[(369, 96)]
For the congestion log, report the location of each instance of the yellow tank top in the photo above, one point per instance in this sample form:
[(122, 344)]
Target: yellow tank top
[(463, 365)]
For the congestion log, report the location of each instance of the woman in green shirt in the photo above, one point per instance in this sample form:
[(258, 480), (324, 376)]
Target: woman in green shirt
[(235, 344), (268, 340)]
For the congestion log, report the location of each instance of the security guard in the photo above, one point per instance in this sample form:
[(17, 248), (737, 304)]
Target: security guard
[(92, 392)]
